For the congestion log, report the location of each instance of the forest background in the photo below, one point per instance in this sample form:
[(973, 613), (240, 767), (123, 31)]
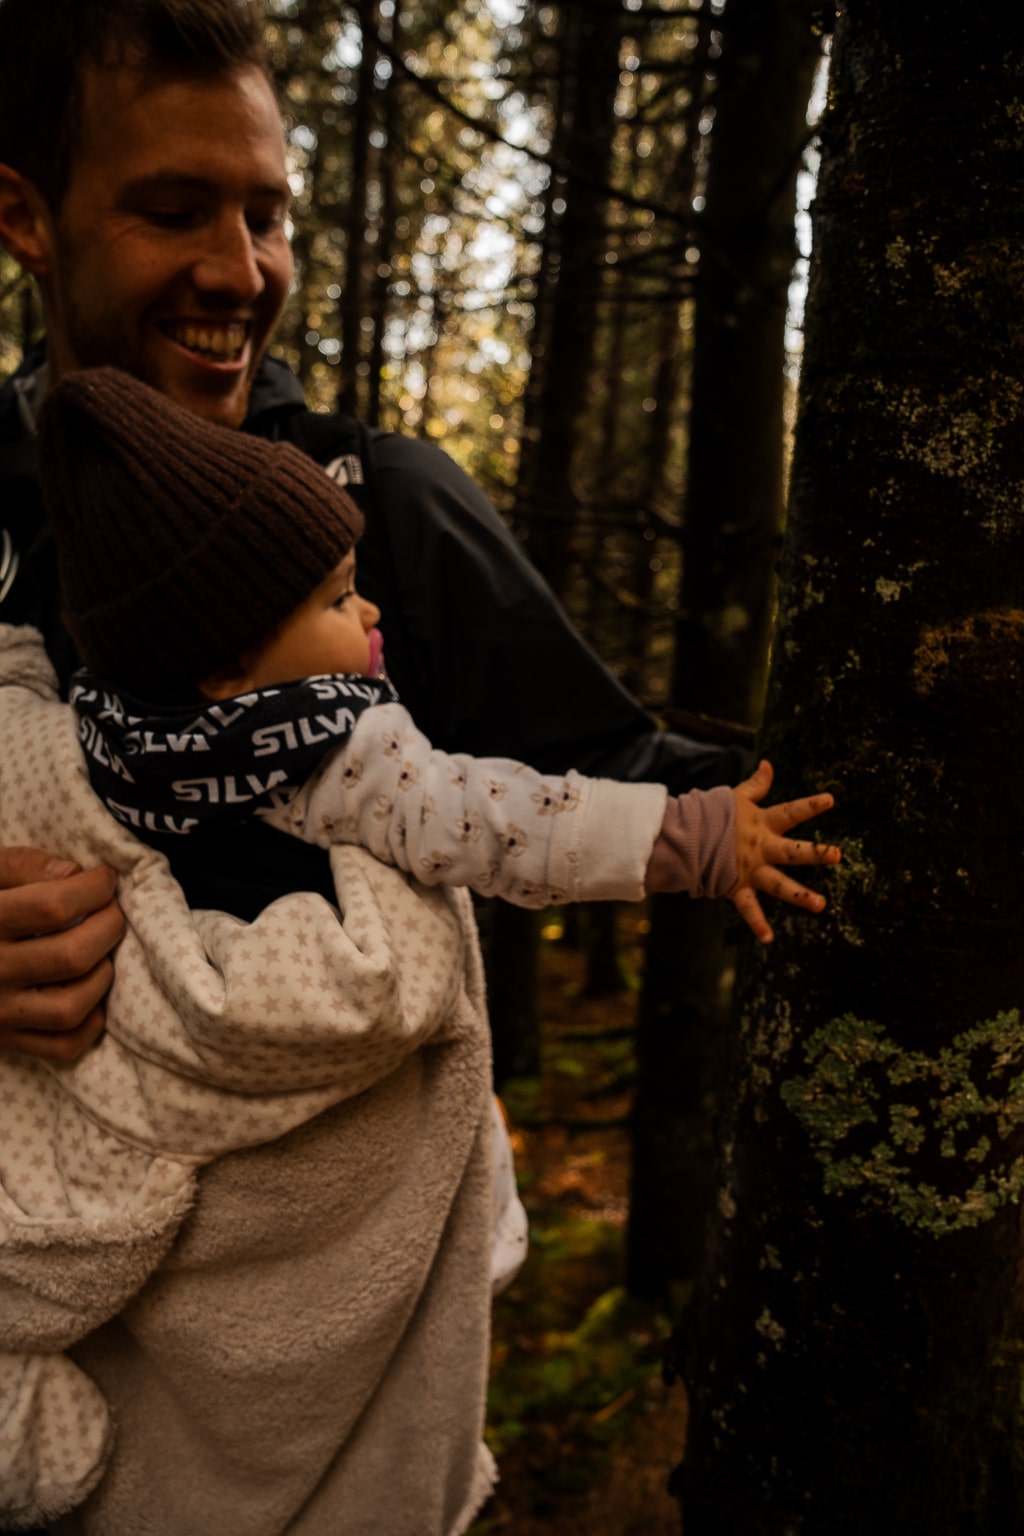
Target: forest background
[(564, 241)]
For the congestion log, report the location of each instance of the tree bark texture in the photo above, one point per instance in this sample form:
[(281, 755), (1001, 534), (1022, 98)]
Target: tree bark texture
[(570, 290), (857, 1358), (568, 294), (733, 513), (352, 305), (680, 1040)]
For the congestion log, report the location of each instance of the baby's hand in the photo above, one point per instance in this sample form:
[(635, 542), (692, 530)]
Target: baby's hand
[(760, 846)]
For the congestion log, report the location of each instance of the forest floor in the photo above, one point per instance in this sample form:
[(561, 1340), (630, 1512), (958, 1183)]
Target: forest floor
[(584, 1427)]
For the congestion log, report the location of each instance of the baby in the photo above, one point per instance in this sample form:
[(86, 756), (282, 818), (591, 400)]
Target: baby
[(256, 1221)]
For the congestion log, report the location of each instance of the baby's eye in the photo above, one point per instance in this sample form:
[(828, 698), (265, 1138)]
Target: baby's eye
[(339, 602)]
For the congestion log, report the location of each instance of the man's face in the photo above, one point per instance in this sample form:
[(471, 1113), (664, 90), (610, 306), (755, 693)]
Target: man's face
[(170, 258)]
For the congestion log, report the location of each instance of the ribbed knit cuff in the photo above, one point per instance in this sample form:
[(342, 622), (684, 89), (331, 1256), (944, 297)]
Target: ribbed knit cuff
[(695, 850)]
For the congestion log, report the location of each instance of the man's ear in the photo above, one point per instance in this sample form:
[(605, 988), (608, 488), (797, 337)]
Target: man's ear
[(227, 682), (26, 226)]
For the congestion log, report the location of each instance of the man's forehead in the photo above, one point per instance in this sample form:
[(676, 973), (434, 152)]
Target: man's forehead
[(167, 115), (123, 82)]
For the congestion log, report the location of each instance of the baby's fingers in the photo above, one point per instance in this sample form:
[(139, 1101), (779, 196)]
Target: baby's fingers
[(749, 908), (794, 850), (790, 813), (774, 883)]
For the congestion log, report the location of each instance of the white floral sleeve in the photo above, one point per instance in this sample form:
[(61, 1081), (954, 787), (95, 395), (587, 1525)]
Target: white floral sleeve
[(489, 823)]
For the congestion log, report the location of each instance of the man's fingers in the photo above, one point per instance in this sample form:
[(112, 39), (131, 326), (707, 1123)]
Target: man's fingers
[(65, 1045), (57, 1009), (45, 906), (749, 908), (24, 866), (774, 883), (58, 925), (67, 956)]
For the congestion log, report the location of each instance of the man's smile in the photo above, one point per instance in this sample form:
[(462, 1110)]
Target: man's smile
[(219, 341)]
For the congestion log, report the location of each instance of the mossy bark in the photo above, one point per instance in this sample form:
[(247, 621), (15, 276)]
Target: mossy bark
[(858, 1342)]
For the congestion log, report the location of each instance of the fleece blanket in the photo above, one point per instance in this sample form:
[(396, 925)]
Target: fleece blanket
[(244, 1243)]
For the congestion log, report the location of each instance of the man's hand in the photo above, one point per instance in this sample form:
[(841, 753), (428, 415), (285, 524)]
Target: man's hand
[(760, 846), (58, 925)]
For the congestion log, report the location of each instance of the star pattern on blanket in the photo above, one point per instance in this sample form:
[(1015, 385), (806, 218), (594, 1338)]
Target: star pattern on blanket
[(192, 1053), (76, 1425)]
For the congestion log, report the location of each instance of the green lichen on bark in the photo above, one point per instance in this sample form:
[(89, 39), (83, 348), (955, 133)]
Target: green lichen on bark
[(934, 1139), (982, 653)]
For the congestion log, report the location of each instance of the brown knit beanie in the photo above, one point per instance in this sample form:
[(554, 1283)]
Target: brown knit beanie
[(180, 544)]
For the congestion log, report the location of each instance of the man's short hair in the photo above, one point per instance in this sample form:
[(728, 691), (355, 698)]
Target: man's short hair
[(46, 44)]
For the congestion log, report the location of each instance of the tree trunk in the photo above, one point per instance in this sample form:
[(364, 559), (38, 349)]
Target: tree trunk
[(747, 251), (732, 523), (568, 292), (590, 54), (679, 1051), (353, 299), (858, 1348), (510, 939)]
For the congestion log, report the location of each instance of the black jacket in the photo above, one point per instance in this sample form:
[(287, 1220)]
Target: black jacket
[(481, 653)]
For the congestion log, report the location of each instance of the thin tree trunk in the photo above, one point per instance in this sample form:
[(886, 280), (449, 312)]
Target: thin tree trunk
[(437, 319), (732, 519), (747, 251), (387, 170), (856, 1357), (604, 971), (591, 42), (357, 222), (567, 308)]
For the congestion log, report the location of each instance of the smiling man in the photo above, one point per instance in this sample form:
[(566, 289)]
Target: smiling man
[(143, 182), (159, 239), (168, 256)]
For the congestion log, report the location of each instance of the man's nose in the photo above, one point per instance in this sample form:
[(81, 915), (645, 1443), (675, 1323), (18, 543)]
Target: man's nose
[(227, 261)]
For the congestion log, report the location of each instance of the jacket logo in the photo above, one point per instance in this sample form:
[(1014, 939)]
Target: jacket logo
[(347, 469), (9, 559)]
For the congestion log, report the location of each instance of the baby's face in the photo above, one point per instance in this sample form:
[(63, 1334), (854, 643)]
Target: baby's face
[(332, 631)]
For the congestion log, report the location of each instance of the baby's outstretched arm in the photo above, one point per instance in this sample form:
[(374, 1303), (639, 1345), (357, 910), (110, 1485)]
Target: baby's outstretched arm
[(506, 830), (761, 847)]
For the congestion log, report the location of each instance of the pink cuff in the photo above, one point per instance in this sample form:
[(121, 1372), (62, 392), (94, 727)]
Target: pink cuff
[(695, 850)]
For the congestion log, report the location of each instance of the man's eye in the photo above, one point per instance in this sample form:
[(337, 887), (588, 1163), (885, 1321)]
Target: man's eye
[(173, 218), (265, 223)]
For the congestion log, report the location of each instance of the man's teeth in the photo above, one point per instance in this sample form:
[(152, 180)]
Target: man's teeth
[(222, 341)]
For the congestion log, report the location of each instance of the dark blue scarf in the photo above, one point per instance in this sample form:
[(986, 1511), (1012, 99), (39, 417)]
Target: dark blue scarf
[(203, 769), (171, 768)]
